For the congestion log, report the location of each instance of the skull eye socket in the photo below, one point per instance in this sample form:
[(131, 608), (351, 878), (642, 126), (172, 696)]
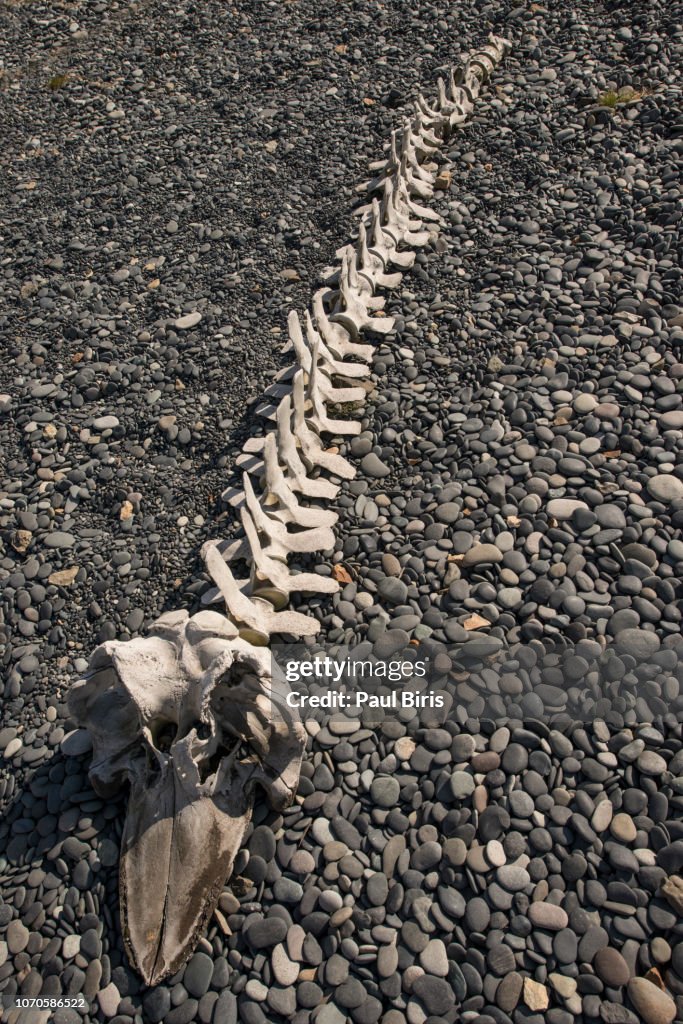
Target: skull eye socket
[(163, 733), (203, 730)]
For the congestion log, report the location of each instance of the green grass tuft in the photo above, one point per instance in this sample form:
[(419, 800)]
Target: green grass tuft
[(614, 97), (58, 82)]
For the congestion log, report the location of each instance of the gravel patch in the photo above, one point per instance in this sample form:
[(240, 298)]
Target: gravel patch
[(167, 201)]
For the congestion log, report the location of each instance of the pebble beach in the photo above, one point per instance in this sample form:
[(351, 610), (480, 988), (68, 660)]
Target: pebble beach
[(175, 179)]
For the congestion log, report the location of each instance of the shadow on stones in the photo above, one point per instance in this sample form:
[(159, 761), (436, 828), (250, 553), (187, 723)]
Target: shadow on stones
[(59, 876)]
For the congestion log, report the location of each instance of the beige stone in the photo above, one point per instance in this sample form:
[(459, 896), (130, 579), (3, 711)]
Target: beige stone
[(653, 1005), (535, 995)]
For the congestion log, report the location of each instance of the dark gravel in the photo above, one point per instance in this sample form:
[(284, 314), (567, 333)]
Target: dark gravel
[(174, 180)]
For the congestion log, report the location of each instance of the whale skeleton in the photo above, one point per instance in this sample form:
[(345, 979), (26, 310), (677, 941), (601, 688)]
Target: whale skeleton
[(194, 716)]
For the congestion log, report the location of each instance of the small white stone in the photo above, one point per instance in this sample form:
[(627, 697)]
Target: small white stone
[(184, 323), (71, 946), (13, 747)]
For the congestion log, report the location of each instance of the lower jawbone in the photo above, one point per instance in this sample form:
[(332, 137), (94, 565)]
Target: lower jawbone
[(193, 732)]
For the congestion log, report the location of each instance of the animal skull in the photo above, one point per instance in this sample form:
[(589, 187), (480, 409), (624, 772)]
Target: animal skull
[(193, 719)]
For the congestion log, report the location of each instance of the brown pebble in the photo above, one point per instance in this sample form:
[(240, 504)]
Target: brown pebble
[(653, 1005)]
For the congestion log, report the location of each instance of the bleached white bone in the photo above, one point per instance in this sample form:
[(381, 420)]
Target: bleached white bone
[(375, 252), (372, 265), (335, 340), (355, 302), (425, 140), (196, 672), (397, 222), (253, 444), (356, 283), (411, 148), (406, 139), (269, 570), (296, 469), (278, 389), (403, 159), (383, 245), (297, 473), (234, 496), (277, 486), (268, 411), (453, 112), (386, 203), (384, 167), (402, 197), (488, 57), (247, 461), (456, 79), (255, 618), (328, 365), (338, 367), (281, 542), (432, 117), (414, 182), (312, 451), (317, 414), (335, 336)]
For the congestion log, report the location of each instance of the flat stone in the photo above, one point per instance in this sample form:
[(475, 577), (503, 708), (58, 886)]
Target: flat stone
[(262, 843), (482, 554), (76, 743), (640, 643), (585, 403), (384, 791), (286, 971), (611, 967), (71, 945), (434, 959), (462, 785), (302, 863), (105, 422), (477, 860), (513, 878), (665, 487), (563, 509), (501, 960), (378, 889), (266, 932), (509, 991), (455, 851), (477, 914), (197, 976), (185, 323), (330, 1014), (436, 994), (651, 763), (535, 995), (427, 856), (672, 890), (622, 826), (495, 854), (17, 936), (391, 564), (393, 590), (109, 998), (548, 916), (373, 466), (602, 816), (59, 539), (566, 987), (653, 1005), (565, 946)]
